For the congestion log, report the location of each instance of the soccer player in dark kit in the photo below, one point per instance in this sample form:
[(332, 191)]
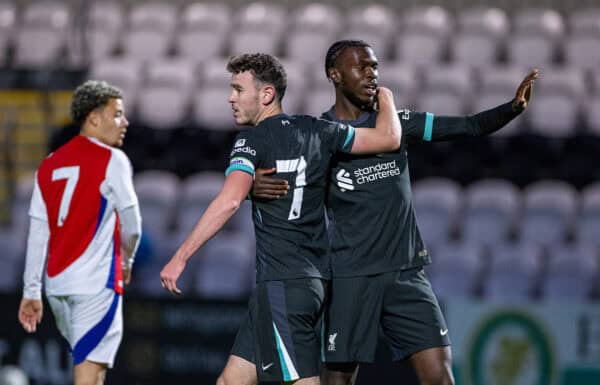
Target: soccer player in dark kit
[(377, 253), (277, 341)]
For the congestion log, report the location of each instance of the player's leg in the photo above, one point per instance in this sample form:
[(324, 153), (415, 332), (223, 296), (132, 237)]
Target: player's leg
[(278, 336), (305, 381), (415, 327), (93, 327), (290, 344), (351, 327), (89, 373), (433, 366), (238, 371), (97, 324), (339, 373)]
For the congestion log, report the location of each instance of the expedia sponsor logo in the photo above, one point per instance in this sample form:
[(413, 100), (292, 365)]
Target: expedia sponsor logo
[(376, 172), (239, 143), (246, 150)]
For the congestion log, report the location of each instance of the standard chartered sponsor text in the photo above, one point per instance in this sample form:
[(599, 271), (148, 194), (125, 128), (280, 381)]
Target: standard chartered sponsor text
[(379, 171)]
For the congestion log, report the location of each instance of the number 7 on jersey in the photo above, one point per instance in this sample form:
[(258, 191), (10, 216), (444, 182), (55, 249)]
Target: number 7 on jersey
[(298, 166), (71, 174)]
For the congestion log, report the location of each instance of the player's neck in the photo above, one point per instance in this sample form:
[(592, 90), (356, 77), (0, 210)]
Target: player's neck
[(346, 110), (271, 110)]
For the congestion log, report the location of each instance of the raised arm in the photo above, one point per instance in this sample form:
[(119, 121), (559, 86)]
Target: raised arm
[(221, 209), (388, 131), (429, 127)]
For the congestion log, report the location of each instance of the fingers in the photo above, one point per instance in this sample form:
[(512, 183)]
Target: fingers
[(266, 171), (271, 195), (533, 75), (29, 320), (170, 285)]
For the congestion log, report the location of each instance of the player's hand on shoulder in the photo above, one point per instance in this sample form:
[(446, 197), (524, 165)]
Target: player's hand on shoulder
[(170, 273), (266, 187), (30, 314), (524, 91)]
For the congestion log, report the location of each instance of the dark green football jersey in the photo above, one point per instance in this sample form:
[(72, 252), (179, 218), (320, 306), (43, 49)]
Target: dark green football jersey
[(291, 237), (373, 227)]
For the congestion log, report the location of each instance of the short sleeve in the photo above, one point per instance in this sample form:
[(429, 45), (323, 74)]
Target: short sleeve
[(340, 136), (243, 154), (119, 176)]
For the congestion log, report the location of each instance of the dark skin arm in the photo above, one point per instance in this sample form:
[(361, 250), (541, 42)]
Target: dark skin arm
[(266, 187)]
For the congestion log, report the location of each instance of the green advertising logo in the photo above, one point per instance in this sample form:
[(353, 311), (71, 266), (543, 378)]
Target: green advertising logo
[(510, 348)]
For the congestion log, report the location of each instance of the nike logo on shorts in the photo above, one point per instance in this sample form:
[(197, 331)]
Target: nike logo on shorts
[(443, 332), (265, 367)]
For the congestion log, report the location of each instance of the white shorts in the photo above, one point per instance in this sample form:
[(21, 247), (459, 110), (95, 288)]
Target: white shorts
[(91, 324)]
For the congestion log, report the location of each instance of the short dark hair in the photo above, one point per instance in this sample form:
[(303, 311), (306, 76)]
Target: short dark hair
[(336, 50), (264, 67), (89, 96)]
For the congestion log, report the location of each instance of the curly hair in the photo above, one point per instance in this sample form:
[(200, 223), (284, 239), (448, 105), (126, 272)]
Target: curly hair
[(264, 67), (336, 50), (91, 95)]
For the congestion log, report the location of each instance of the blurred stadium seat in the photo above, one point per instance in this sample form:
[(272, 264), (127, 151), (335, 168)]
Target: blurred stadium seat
[(571, 273), (42, 35), (437, 202), (452, 260), (549, 208), (423, 35), (513, 273), (373, 23), (259, 27), (481, 30), (314, 27), (491, 207), (203, 31)]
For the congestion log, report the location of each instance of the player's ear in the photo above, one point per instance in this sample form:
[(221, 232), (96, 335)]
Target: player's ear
[(334, 75), (93, 118), (267, 94)]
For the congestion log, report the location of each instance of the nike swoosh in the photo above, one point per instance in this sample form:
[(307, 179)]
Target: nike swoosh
[(443, 332), (265, 367)]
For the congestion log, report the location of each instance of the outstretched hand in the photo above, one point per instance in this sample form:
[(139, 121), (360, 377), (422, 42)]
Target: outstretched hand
[(266, 187), (523, 95)]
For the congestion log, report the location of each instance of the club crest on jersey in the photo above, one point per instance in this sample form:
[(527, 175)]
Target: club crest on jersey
[(331, 340), (285, 122)]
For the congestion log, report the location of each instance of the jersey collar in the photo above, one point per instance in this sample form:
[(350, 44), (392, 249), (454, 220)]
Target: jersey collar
[(330, 115)]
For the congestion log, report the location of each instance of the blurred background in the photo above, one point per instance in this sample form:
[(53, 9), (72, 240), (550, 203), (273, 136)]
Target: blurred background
[(512, 220)]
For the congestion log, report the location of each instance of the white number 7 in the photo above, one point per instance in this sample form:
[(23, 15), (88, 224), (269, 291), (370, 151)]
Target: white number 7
[(71, 174), (298, 166)]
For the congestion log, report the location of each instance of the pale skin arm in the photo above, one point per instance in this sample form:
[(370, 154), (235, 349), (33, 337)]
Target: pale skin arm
[(235, 189), (388, 131)]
